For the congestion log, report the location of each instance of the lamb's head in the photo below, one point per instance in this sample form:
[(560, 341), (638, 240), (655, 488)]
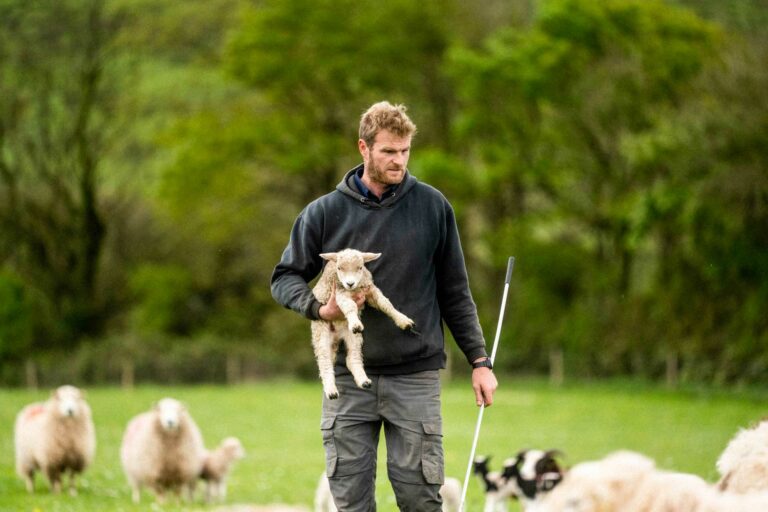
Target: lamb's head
[(491, 479), (233, 448), (350, 265), (68, 401), (170, 413), (533, 473)]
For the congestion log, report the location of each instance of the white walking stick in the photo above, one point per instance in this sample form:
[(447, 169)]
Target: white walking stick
[(510, 265)]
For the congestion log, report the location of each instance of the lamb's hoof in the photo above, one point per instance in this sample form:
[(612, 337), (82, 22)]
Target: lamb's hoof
[(357, 329), (332, 395), (366, 384)]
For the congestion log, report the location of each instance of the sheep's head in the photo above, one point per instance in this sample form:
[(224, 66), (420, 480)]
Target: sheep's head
[(68, 400), (533, 472), (169, 413), (349, 265)]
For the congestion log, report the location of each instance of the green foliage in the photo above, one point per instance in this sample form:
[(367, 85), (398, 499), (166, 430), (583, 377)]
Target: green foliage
[(16, 325), (153, 157)]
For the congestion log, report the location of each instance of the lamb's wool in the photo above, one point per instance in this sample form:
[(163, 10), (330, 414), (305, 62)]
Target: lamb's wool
[(55, 437), (346, 275), (217, 464)]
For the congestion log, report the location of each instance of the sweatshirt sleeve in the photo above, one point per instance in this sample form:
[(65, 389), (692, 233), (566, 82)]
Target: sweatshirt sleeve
[(299, 264), (457, 306)]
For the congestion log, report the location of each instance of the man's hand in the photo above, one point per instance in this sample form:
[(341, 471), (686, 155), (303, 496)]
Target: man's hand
[(484, 383), (331, 311)]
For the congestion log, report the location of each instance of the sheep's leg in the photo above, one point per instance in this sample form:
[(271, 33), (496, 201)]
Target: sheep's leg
[(29, 479), (348, 306), (72, 483), (54, 477), (222, 491), (325, 347), (355, 360), (375, 298), (135, 492)]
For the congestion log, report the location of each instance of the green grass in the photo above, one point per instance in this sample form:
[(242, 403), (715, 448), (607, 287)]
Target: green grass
[(278, 422)]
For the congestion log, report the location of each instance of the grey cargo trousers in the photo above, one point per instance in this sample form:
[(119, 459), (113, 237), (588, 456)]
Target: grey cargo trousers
[(408, 407)]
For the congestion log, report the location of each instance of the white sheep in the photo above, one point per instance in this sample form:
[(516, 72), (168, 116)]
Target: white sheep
[(450, 492), (162, 449), (56, 437), (606, 485), (743, 465), (216, 466), (345, 273)]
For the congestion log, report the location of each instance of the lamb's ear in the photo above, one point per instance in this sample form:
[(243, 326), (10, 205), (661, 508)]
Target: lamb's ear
[(330, 256), (370, 256)]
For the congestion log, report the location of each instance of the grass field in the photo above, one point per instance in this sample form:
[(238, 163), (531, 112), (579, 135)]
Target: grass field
[(278, 422)]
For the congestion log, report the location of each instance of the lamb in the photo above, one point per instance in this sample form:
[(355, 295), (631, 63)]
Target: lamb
[(529, 475), (216, 466), (497, 490), (345, 273), (743, 465), (56, 437), (162, 449), (450, 492)]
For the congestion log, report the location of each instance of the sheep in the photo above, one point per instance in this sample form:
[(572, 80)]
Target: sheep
[(743, 465), (345, 273), (56, 437), (606, 485), (162, 449), (216, 466), (450, 492)]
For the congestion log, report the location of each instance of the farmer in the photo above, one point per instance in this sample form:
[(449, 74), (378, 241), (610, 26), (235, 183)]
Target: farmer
[(380, 207)]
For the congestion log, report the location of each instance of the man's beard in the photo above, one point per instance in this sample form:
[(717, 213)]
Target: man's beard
[(377, 175)]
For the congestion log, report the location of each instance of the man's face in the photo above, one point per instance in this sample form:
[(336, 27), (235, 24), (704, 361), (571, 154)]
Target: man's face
[(387, 159)]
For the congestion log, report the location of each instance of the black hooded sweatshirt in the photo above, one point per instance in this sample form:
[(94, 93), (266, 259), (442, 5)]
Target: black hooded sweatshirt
[(421, 271)]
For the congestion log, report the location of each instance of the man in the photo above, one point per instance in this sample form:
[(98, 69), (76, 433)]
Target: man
[(380, 207)]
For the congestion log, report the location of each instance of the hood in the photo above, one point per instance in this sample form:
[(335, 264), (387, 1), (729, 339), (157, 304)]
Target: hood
[(346, 186)]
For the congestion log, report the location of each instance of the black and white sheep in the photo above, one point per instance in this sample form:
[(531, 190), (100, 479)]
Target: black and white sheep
[(217, 465), (346, 275), (162, 449), (55, 437)]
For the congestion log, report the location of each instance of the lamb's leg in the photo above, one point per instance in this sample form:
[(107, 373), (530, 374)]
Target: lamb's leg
[(222, 491), (349, 307), (375, 298), (355, 360), (323, 345)]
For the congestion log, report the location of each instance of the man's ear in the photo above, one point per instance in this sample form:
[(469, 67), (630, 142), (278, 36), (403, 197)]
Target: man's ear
[(329, 256), (363, 148)]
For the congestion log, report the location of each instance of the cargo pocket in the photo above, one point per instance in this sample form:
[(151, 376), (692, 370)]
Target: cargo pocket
[(329, 443), (432, 452)]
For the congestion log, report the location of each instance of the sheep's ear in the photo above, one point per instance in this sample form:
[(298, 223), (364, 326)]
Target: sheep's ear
[(370, 256), (330, 256)]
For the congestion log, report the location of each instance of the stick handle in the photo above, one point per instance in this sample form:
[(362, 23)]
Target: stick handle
[(510, 266)]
